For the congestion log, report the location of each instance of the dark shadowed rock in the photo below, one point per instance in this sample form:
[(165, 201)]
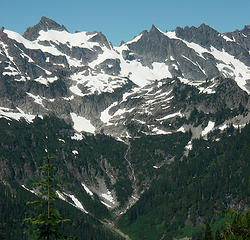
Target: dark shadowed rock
[(45, 24), (241, 38), (110, 66), (100, 38), (153, 46), (203, 35), (67, 79)]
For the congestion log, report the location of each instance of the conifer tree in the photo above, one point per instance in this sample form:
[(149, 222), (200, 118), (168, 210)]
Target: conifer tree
[(208, 233), (47, 222)]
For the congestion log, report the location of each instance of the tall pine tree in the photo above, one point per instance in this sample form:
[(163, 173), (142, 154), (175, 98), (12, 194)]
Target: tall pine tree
[(47, 222), (208, 233)]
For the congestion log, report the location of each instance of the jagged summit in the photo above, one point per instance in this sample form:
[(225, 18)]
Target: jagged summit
[(68, 73), (100, 38), (45, 24), (204, 35), (154, 28), (162, 95)]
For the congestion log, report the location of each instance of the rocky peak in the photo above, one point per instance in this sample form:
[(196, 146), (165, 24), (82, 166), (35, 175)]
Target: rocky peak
[(45, 24), (100, 38), (205, 27), (1, 31), (122, 42), (155, 32), (241, 37), (154, 29), (150, 46), (203, 35), (246, 30)]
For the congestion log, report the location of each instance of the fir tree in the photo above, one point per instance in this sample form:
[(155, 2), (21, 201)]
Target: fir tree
[(208, 233), (47, 222)]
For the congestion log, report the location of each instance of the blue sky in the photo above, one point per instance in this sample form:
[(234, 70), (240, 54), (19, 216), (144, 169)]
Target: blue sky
[(122, 20)]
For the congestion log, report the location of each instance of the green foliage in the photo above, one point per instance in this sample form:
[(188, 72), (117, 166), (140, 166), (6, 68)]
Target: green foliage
[(239, 229), (13, 208), (208, 233), (184, 192), (189, 231), (21, 148), (46, 223), (214, 175)]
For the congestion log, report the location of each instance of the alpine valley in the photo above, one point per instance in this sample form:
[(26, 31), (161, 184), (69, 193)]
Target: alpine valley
[(149, 139)]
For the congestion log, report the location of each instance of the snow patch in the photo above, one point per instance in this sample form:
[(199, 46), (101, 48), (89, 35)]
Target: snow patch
[(160, 131), (181, 129), (208, 128), (82, 124), (241, 72), (10, 114), (87, 189), (58, 37), (139, 74), (37, 99), (108, 197), (75, 152), (80, 39), (60, 195), (239, 125), (76, 202), (139, 121), (14, 73), (208, 90), (46, 80), (161, 69), (107, 205), (105, 117), (32, 191), (223, 127), (136, 39), (32, 44), (189, 145), (227, 38), (77, 136), (68, 98), (171, 58), (170, 116), (155, 167), (170, 34), (96, 83)]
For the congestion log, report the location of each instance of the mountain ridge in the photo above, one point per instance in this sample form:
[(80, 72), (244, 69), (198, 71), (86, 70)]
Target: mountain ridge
[(118, 119), (59, 68)]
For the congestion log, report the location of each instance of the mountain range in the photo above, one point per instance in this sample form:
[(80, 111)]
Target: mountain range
[(118, 119)]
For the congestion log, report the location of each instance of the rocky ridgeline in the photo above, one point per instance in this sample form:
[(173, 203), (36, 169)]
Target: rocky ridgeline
[(153, 82)]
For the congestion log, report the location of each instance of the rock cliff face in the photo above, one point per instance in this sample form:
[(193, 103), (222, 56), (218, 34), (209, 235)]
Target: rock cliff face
[(51, 71), (45, 24)]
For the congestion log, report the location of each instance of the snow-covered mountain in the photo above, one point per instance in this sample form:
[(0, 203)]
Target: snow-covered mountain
[(155, 94), (97, 87)]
